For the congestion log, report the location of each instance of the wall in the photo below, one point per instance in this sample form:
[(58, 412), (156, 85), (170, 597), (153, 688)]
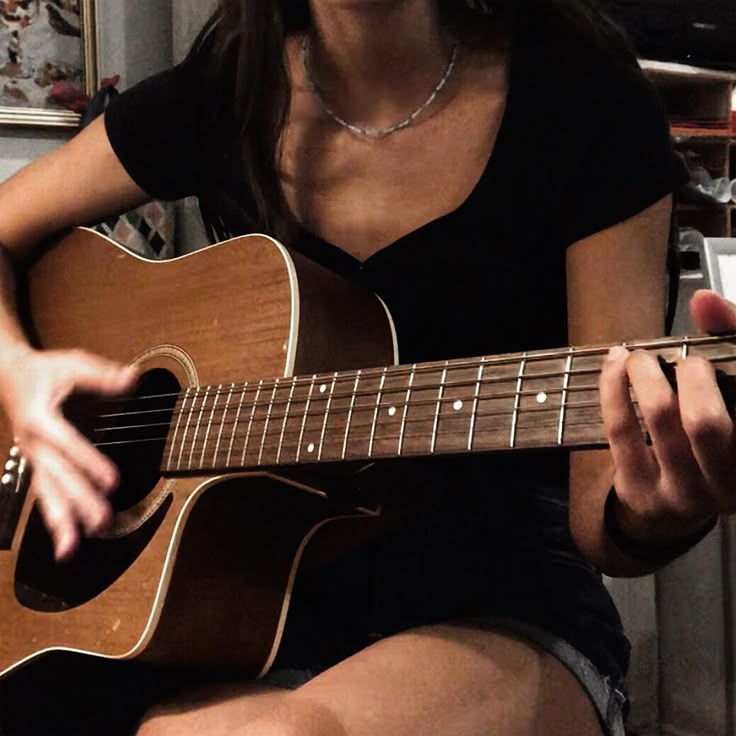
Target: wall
[(19, 147), (135, 38), (188, 17)]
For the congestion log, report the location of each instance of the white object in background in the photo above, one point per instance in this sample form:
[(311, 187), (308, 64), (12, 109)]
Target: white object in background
[(733, 191), (720, 264), (719, 189)]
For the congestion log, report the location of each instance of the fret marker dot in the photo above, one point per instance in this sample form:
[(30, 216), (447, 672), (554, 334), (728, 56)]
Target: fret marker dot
[(541, 397), (458, 405), (311, 448), (323, 388), (392, 411)]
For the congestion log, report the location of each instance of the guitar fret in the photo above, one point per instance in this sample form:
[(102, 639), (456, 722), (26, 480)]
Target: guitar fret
[(250, 422), (685, 348), (286, 419), (176, 428), (327, 416), (476, 400), (268, 420), (197, 426), (350, 416), (222, 425), (186, 429), (402, 430), (517, 401), (433, 445), (563, 404), (209, 426), (235, 425), (304, 418), (375, 412)]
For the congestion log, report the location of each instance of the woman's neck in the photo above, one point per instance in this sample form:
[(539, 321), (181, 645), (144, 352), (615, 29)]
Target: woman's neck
[(376, 60)]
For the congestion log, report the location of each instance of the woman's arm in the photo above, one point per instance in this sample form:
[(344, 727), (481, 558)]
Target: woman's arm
[(80, 183), (616, 292)]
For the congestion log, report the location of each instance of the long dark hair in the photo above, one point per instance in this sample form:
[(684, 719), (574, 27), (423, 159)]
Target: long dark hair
[(245, 47)]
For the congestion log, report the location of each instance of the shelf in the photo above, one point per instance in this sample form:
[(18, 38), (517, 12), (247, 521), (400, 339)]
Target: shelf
[(699, 95), (705, 134), (685, 71), (716, 206)]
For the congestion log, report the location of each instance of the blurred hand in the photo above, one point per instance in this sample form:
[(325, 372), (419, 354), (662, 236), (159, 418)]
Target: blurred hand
[(70, 477)]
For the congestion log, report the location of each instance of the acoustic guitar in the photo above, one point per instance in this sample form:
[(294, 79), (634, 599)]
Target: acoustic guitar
[(259, 368)]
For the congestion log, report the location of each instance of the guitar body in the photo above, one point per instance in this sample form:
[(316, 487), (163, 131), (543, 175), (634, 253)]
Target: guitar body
[(196, 570)]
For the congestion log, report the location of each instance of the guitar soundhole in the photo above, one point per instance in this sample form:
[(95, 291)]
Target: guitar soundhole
[(135, 440), (132, 433)]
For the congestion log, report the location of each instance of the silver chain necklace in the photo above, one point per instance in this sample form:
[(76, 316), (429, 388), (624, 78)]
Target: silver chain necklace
[(358, 130)]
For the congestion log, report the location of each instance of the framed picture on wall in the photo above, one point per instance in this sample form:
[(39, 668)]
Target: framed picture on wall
[(48, 60), (720, 266)]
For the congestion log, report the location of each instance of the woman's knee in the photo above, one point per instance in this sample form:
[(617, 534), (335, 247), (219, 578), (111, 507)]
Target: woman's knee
[(295, 716), (159, 725), (290, 716)]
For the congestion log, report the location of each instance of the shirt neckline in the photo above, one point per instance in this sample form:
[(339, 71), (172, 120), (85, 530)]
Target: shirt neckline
[(348, 259)]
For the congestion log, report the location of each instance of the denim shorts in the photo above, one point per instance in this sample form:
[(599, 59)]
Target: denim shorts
[(501, 559), (610, 702)]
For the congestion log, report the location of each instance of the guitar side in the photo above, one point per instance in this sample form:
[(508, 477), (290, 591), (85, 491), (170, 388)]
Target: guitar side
[(194, 571)]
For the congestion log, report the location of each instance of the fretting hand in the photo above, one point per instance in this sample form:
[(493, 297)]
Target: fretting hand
[(668, 491)]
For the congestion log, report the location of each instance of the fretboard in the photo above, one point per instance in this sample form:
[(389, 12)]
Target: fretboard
[(542, 399)]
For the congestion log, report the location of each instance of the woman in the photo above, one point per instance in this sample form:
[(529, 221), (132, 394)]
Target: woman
[(503, 181)]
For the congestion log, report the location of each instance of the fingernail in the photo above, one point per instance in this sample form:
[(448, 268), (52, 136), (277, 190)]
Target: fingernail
[(110, 476), (617, 353), (65, 547)]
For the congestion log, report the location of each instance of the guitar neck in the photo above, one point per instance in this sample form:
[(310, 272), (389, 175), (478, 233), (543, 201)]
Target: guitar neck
[(541, 399)]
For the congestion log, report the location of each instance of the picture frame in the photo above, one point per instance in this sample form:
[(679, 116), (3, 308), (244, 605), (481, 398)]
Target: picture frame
[(31, 29), (720, 266)]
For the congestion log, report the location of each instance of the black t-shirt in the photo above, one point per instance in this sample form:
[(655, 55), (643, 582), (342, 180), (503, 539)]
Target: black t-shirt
[(583, 145)]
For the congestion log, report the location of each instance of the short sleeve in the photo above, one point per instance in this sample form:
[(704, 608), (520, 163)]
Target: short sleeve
[(627, 163), (157, 130)]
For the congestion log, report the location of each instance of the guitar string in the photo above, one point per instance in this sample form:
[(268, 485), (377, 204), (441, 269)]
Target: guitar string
[(347, 379), (409, 422), (416, 421), (414, 402), (398, 406), (538, 410), (490, 361), (287, 383), (273, 446), (413, 444)]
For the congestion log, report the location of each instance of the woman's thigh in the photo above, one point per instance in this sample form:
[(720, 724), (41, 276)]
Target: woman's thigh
[(448, 680)]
